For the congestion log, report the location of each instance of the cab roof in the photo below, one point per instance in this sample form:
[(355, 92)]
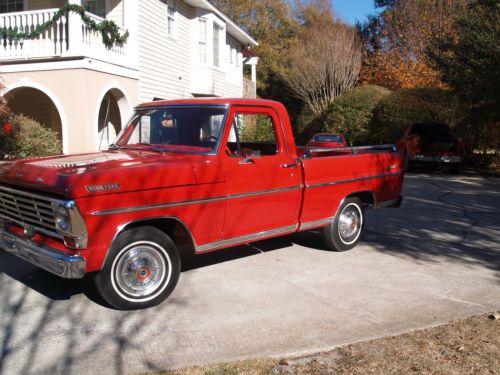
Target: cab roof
[(211, 101)]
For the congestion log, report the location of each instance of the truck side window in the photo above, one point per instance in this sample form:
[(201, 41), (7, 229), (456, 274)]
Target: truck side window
[(252, 133)]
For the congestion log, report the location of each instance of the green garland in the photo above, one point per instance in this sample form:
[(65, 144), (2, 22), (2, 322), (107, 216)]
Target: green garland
[(108, 29)]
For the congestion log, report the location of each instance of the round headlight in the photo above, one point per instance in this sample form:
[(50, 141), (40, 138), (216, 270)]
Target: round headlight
[(62, 218)]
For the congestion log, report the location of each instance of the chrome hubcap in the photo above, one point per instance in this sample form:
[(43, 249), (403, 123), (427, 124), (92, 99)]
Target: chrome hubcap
[(349, 224), (140, 271)]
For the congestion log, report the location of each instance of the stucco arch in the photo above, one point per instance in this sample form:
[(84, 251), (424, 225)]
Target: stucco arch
[(52, 97), (122, 101)]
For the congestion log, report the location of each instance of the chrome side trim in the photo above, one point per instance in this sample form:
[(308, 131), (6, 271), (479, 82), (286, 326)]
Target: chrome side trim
[(353, 180), (246, 238), (59, 263), (262, 192), (194, 201), (316, 223), (154, 206)]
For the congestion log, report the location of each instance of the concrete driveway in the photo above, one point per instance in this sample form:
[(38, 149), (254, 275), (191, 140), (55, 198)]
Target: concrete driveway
[(435, 259)]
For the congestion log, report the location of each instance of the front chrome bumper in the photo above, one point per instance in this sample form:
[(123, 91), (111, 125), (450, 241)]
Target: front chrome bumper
[(52, 260), (437, 158)]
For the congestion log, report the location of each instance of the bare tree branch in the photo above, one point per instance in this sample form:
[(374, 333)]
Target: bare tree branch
[(323, 64)]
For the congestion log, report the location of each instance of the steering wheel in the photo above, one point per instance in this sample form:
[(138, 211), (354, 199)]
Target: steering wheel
[(210, 138)]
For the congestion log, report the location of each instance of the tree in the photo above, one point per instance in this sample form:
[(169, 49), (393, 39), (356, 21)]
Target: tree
[(396, 111), (396, 41), (22, 137), (352, 113), (469, 61), (5, 126), (270, 23), (323, 63), (273, 25)]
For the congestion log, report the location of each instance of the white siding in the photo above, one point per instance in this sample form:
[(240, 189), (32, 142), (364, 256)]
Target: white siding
[(170, 68), (164, 61), (207, 79)]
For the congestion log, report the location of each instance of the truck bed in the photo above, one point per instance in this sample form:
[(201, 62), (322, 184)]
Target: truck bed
[(376, 171)]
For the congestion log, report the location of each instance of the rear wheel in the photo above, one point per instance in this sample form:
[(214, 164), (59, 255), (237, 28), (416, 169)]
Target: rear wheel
[(343, 233), (142, 269)]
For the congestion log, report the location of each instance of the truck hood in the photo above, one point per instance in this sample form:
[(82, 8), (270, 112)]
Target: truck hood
[(80, 175)]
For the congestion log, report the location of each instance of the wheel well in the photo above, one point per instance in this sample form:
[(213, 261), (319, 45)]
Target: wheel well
[(366, 197), (172, 227)]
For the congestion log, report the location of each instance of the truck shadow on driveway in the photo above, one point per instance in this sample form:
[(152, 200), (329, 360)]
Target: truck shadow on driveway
[(38, 279), (56, 288)]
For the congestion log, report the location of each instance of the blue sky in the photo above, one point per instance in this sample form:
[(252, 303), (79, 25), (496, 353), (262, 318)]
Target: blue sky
[(352, 10)]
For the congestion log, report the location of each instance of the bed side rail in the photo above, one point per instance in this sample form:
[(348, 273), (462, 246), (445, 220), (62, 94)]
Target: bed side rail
[(309, 151)]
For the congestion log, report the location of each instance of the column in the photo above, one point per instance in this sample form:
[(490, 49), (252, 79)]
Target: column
[(75, 37)]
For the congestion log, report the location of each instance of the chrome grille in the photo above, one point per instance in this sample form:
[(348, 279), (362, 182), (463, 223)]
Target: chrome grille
[(28, 209)]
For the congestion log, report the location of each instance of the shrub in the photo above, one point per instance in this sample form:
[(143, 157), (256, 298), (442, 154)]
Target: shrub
[(27, 138), (351, 114), (395, 112)]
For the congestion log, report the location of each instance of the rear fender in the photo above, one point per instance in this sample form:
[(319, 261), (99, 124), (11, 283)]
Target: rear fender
[(367, 198)]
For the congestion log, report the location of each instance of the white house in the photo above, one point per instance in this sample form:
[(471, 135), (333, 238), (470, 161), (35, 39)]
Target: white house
[(69, 80)]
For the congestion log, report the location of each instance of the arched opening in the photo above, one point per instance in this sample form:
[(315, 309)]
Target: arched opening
[(112, 111), (35, 104)]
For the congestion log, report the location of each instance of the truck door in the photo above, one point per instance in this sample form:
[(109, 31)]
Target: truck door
[(262, 180)]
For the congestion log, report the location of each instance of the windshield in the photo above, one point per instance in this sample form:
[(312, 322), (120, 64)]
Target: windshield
[(328, 138), (176, 129)]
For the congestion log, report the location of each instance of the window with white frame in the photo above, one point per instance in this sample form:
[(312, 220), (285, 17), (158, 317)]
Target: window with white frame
[(217, 33), (97, 7), (238, 51), (234, 50), (171, 17), (7, 6), (202, 40), (231, 44)]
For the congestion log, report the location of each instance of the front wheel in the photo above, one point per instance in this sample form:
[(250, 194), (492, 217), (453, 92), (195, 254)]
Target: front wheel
[(141, 270), (343, 233)]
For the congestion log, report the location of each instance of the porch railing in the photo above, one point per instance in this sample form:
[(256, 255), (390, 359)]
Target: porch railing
[(69, 36)]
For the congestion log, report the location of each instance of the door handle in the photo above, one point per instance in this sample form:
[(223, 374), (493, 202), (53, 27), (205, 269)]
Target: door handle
[(247, 160), (291, 165)]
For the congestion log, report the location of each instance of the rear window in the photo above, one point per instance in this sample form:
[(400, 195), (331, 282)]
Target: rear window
[(430, 129)]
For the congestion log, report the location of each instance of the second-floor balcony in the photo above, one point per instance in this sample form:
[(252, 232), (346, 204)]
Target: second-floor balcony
[(68, 37)]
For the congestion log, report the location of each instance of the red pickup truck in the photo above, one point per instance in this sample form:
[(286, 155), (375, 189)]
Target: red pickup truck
[(431, 143), (188, 175), (327, 140)]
